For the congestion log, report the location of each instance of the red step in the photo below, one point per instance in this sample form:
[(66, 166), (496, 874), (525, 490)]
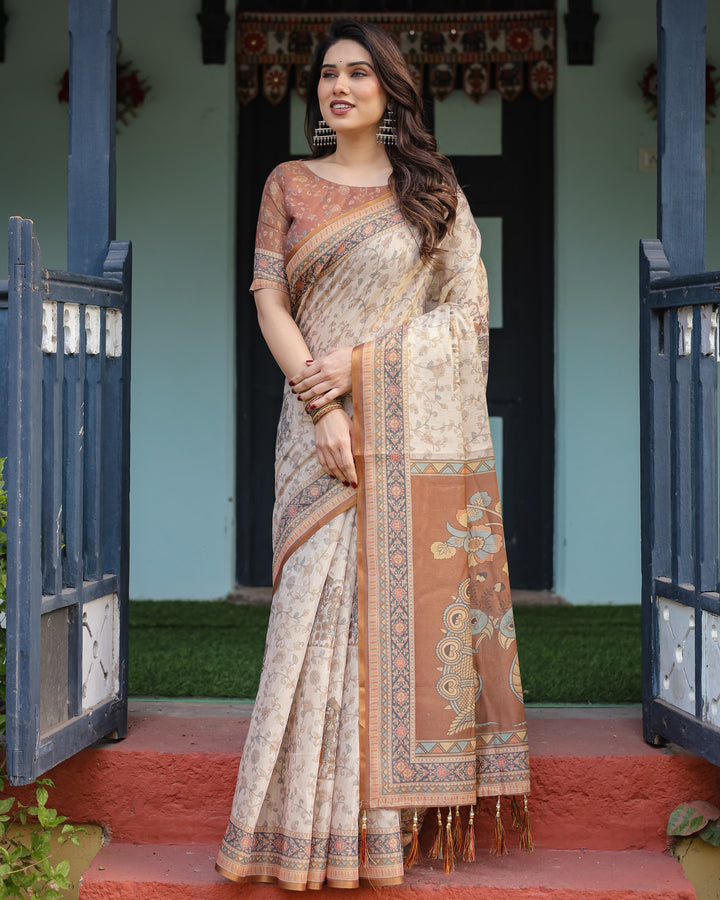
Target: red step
[(162, 872), (595, 783)]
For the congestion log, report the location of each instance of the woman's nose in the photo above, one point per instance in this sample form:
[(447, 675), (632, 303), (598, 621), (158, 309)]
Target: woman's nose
[(340, 86)]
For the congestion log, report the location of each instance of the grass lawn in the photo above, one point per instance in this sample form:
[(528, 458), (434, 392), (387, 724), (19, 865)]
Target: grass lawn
[(568, 654)]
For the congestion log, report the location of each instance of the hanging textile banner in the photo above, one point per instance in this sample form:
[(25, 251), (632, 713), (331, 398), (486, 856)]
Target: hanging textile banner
[(504, 50)]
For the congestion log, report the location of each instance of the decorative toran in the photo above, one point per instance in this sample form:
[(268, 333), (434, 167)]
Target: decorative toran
[(517, 47)]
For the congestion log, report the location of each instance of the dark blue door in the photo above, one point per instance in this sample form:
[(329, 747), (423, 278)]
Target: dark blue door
[(68, 346), (678, 408), (66, 377)]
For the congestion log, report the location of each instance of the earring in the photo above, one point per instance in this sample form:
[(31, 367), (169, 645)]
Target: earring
[(323, 136), (387, 134)]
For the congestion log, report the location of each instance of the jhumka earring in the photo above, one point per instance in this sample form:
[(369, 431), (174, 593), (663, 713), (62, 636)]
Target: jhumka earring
[(387, 133), (323, 136)]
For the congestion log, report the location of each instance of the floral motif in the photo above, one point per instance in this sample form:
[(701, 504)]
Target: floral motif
[(478, 541)]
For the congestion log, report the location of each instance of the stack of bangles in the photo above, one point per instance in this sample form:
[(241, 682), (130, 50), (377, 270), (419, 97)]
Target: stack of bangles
[(317, 414)]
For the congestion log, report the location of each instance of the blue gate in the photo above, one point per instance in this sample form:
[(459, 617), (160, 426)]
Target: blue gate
[(68, 350), (678, 412)]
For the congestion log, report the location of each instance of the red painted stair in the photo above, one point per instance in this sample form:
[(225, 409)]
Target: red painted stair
[(601, 798)]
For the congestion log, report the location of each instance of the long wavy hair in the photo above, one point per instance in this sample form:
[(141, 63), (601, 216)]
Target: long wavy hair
[(423, 181)]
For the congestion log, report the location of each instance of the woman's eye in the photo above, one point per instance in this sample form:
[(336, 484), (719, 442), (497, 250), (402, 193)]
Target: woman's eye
[(359, 72), (328, 74)]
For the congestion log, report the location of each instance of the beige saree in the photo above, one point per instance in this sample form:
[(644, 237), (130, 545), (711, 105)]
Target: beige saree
[(390, 680)]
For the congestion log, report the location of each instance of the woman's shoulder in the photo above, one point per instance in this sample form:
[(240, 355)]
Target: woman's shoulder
[(288, 173)]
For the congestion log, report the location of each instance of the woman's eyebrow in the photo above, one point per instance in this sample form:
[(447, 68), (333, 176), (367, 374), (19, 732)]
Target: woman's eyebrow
[(360, 62)]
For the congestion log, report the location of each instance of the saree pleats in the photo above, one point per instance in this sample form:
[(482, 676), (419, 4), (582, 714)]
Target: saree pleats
[(296, 808)]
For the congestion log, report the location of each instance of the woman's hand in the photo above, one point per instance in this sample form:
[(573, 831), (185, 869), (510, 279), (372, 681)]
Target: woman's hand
[(325, 378), (334, 446)]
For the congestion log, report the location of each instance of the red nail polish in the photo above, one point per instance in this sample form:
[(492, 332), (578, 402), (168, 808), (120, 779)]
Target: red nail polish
[(291, 383), (354, 484), (346, 483), (308, 361)]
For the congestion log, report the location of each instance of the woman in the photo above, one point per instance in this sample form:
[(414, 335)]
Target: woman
[(390, 678)]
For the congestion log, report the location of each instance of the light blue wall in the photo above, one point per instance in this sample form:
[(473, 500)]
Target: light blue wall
[(604, 205), (176, 195), (176, 201)]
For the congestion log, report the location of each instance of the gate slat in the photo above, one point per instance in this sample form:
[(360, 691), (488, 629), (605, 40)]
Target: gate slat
[(52, 452), (24, 584)]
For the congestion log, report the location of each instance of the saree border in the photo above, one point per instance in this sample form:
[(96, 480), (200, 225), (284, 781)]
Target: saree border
[(392, 774)]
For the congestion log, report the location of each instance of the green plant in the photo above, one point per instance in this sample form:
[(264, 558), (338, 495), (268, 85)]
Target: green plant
[(25, 830), (696, 818)]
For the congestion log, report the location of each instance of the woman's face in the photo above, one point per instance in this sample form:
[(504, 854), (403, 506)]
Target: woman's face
[(350, 95)]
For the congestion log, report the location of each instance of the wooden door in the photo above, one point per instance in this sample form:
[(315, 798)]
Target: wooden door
[(67, 476), (679, 412)]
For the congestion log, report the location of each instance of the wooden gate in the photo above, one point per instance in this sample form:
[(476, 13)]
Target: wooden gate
[(678, 412), (68, 353)]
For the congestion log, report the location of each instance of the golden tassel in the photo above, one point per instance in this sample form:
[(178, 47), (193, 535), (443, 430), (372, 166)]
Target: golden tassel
[(436, 850), (449, 846), (363, 840), (457, 832), (413, 855), (516, 814), (468, 853), (526, 838), (499, 848)]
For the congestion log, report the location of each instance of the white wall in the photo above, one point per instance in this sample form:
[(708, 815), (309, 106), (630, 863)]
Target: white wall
[(176, 203)]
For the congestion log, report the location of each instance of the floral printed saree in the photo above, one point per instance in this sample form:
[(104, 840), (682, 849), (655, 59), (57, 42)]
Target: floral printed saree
[(390, 680)]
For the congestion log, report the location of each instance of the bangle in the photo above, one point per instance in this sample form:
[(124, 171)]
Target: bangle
[(317, 414)]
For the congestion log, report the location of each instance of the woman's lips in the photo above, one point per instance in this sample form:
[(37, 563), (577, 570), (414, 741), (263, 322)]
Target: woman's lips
[(339, 109)]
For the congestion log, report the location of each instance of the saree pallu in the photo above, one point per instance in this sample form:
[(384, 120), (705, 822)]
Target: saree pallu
[(390, 679)]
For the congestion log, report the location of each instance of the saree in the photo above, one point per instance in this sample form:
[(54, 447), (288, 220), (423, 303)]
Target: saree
[(390, 680)]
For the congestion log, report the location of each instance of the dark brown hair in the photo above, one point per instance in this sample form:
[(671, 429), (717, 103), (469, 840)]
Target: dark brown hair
[(422, 181)]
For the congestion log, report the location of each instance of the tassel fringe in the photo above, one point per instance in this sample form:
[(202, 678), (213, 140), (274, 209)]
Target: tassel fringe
[(436, 849), (363, 840), (516, 814), (468, 852), (449, 845), (457, 832), (526, 838), (499, 848), (413, 855)]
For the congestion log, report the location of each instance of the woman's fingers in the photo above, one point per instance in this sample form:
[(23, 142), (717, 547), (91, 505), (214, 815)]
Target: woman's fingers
[(333, 442), (331, 372)]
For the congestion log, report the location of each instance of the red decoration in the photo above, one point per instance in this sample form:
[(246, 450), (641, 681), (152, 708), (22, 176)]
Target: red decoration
[(648, 84), (445, 49), (132, 88)]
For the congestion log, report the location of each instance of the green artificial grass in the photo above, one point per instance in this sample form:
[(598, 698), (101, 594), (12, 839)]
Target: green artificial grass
[(579, 654), (187, 648), (568, 654)]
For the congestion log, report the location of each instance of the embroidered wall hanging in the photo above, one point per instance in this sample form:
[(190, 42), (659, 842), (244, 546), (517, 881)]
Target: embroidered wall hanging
[(504, 50)]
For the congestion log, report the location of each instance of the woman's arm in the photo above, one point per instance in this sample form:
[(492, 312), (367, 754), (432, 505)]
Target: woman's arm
[(333, 432)]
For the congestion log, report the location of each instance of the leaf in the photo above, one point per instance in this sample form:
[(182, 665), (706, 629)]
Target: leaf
[(711, 833), (62, 869), (42, 796), (6, 805), (689, 818)]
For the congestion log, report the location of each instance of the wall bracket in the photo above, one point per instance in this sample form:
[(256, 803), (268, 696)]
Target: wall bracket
[(214, 23), (580, 22)]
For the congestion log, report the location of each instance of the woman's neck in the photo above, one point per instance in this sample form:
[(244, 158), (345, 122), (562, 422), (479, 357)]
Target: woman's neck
[(356, 161)]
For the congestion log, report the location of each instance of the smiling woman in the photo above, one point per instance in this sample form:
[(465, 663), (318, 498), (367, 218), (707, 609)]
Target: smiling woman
[(372, 297)]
